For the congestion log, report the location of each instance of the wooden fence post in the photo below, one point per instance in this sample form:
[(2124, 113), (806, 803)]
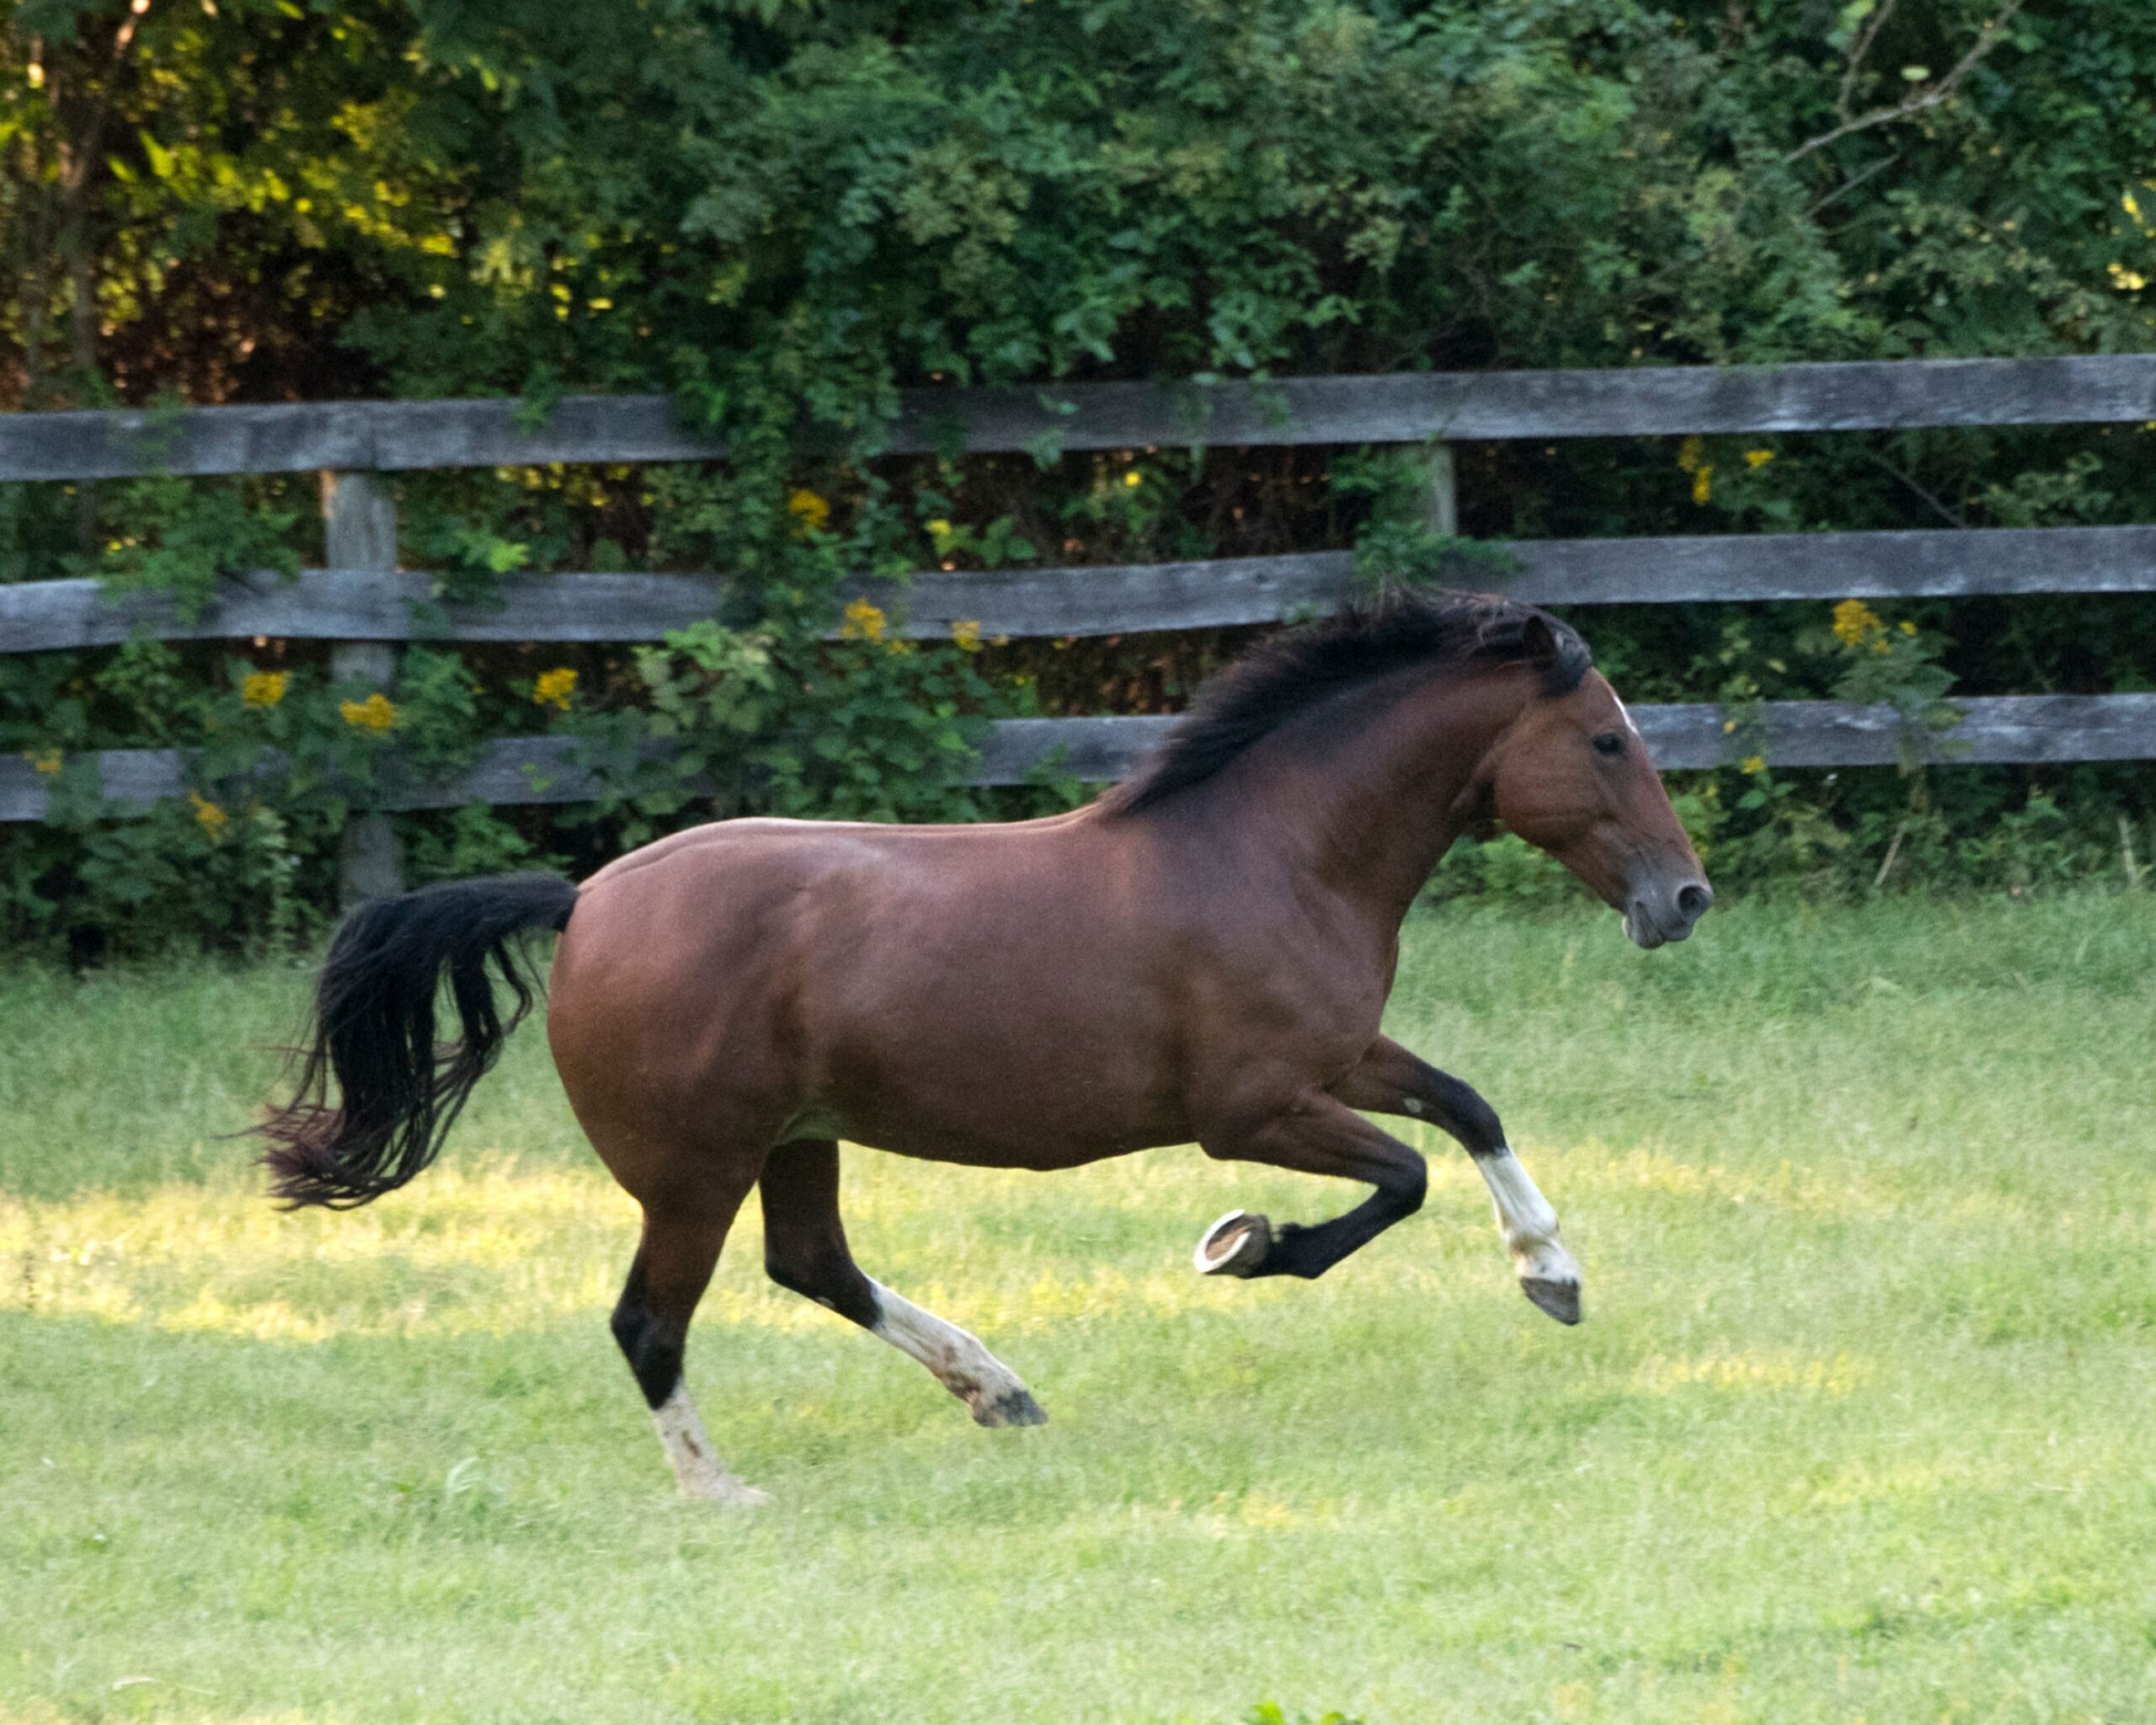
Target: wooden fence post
[(359, 521), (1437, 495)]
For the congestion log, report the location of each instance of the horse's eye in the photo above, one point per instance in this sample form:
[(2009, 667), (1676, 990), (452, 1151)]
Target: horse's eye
[(1610, 743)]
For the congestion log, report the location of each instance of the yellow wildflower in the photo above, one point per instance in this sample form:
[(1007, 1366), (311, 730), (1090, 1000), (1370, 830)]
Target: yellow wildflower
[(48, 762), (809, 512), (1908, 627), (966, 632), (263, 688), (1703, 484), (939, 531), (864, 621), (1692, 454), (378, 712), (1758, 457), (1753, 764), (1856, 622), (2127, 204), (210, 817), (1133, 477), (554, 688), (2127, 280)]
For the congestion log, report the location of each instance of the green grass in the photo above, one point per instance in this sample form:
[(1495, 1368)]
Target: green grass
[(1860, 1426)]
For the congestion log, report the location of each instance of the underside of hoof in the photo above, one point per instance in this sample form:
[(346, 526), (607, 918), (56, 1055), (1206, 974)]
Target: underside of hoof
[(1561, 1300), (1012, 1407), (1237, 1245)]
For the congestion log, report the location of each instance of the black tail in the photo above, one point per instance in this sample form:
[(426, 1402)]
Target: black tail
[(374, 1032)]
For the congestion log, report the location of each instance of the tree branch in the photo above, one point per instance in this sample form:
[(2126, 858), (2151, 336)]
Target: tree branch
[(1858, 50), (1931, 97), (1909, 479), (1852, 183)]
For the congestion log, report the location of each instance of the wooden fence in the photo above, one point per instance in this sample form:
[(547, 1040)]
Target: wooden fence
[(365, 603)]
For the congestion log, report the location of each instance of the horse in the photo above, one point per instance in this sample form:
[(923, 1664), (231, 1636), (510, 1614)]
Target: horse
[(1201, 955)]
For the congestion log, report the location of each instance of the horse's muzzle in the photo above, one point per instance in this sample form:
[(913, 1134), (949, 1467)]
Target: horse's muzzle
[(1660, 911)]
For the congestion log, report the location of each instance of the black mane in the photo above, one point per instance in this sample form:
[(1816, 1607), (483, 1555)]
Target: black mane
[(1297, 670)]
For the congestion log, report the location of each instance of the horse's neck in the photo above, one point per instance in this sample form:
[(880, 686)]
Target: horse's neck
[(1373, 807)]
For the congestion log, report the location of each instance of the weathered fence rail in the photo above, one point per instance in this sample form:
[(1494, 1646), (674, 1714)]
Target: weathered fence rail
[(1460, 407), (363, 602), (1119, 599), (2000, 729)]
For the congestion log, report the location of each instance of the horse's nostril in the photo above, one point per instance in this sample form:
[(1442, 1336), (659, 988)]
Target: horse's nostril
[(1692, 901)]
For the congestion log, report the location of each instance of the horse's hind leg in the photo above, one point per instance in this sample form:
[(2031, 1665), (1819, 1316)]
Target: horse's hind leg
[(673, 1263), (805, 1250)]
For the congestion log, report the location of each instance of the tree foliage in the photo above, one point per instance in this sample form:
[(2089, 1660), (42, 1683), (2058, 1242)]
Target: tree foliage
[(785, 210)]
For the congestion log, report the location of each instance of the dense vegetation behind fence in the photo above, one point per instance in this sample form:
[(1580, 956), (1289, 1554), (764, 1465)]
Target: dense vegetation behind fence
[(911, 269)]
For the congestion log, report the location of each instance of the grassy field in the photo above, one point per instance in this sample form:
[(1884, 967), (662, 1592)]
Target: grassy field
[(1861, 1426)]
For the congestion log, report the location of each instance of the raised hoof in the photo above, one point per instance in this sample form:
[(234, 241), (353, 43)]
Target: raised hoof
[(1012, 1407), (1237, 1245), (1561, 1300)]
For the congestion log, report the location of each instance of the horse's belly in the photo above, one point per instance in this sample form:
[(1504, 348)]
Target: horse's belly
[(920, 1085), (1045, 1150)]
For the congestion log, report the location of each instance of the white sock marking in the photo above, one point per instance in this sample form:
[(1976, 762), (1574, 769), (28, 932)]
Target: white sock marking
[(961, 1365), (697, 1470), (1526, 1222)]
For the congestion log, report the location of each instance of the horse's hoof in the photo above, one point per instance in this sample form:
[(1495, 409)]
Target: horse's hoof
[(1561, 1300), (1012, 1407), (1237, 1245)]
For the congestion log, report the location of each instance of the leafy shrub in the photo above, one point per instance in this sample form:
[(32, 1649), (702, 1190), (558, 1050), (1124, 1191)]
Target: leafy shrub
[(783, 214)]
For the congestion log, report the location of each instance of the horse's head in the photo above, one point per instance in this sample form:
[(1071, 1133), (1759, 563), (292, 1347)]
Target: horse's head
[(1571, 776)]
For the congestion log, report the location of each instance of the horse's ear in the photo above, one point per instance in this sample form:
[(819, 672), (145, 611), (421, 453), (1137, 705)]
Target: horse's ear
[(1538, 642)]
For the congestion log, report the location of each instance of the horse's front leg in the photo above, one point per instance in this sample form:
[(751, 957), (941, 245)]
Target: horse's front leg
[(1315, 1134), (1391, 1081)]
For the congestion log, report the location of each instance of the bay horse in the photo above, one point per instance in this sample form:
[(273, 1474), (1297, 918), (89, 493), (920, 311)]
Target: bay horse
[(1202, 955)]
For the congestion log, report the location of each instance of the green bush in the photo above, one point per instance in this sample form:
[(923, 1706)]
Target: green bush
[(782, 212)]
